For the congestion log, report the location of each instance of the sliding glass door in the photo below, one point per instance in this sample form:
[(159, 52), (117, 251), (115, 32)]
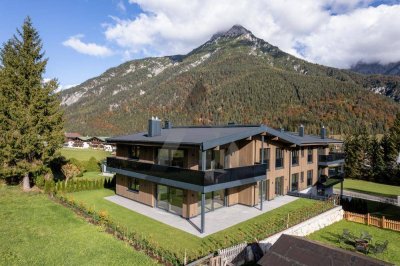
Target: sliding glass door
[(170, 199)]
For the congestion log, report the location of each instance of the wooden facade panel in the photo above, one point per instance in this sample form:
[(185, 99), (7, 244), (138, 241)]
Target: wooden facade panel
[(193, 158), (190, 204), (247, 195), (233, 196), (145, 195), (122, 150)]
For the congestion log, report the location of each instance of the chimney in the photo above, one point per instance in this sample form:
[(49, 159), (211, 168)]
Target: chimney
[(323, 132), (301, 131), (154, 127), (282, 129), (167, 124)]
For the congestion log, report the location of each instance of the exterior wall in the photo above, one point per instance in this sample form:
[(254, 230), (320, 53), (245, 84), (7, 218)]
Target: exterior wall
[(247, 195), (190, 204), (233, 196), (145, 195), (287, 170)]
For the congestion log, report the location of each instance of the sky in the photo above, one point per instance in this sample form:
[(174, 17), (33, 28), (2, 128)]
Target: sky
[(83, 38)]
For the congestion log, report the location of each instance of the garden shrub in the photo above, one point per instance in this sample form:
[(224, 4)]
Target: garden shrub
[(92, 165)]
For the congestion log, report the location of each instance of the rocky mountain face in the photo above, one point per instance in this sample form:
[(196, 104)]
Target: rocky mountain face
[(376, 68), (234, 76)]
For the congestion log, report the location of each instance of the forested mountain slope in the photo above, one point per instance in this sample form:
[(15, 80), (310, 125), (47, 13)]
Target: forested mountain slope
[(232, 77)]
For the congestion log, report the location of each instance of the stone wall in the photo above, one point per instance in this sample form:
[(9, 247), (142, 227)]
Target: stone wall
[(307, 227)]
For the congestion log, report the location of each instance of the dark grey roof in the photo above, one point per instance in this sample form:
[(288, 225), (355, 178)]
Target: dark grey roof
[(212, 136), (294, 250)]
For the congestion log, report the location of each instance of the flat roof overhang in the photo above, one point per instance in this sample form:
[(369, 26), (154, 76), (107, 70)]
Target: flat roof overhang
[(184, 185)]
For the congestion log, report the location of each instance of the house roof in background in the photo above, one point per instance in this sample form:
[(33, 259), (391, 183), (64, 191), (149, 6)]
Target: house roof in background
[(212, 136), (294, 250), (72, 135)]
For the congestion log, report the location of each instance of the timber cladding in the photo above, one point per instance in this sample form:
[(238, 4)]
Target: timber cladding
[(190, 204), (145, 195)]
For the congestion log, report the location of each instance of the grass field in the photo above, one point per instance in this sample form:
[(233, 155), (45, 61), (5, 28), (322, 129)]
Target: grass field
[(36, 231), (370, 188), (84, 154), (329, 235), (174, 239)]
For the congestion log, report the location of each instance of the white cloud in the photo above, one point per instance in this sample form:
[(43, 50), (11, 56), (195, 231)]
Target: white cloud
[(369, 34), (333, 32), (93, 49), (121, 6)]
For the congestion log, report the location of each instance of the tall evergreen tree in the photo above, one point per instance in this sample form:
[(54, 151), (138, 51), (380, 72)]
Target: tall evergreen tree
[(353, 162), (395, 132), (376, 160), (389, 155), (31, 119)]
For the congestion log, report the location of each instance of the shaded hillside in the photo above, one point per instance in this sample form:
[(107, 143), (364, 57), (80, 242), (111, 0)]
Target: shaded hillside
[(376, 68), (233, 77)]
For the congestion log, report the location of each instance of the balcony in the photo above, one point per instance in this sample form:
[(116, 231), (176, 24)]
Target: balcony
[(331, 159), (193, 177)]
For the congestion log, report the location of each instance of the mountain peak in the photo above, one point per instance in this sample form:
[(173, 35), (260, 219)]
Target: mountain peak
[(235, 31)]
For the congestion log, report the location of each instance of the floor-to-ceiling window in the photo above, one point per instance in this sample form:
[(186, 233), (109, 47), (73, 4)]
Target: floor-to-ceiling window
[(295, 182), (215, 159), (170, 199), (279, 186), (214, 200), (171, 157)]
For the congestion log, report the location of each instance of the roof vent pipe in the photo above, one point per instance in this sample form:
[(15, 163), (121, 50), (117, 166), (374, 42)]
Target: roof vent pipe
[(323, 132), (282, 129), (301, 131), (154, 128), (167, 124)]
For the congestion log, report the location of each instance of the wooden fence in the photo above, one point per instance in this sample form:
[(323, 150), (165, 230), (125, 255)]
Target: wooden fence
[(372, 220)]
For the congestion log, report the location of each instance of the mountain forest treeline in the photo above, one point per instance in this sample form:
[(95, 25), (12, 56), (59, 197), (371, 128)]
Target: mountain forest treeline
[(372, 159)]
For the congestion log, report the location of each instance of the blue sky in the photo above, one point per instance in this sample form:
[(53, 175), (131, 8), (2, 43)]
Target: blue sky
[(83, 38), (56, 21)]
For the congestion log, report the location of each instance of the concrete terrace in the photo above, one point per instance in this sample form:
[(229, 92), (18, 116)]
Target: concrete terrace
[(215, 221)]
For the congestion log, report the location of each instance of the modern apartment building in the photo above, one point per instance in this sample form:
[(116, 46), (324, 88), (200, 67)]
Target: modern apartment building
[(192, 170)]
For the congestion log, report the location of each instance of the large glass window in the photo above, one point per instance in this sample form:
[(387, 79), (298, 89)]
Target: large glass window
[(170, 199), (163, 157), (310, 155), (177, 157), (309, 178), (171, 157), (214, 200), (215, 159), (266, 152), (133, 184), (279, 185), (295, 157), (134, 152), (295, 182), (279, 158)]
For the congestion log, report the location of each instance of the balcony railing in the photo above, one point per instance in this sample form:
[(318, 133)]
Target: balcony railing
[(201, 178), (331, 157)]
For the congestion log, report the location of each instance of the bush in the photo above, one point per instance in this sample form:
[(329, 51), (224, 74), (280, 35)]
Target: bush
[(92, 165)]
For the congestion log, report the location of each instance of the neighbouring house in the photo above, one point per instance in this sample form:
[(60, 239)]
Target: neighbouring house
[(70, 138), (192, 170), (75, 140), (294, 250)]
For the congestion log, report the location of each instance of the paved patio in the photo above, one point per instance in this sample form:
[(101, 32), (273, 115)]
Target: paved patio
[(214, 221)]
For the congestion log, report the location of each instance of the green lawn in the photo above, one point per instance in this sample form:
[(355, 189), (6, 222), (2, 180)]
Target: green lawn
[(36, 231), (329, 235), (84, 154), (174, 239), (92, 175), (370, 188)]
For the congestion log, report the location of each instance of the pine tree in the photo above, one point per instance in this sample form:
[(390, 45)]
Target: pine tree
[(389, 155), (352, 164), (376, 160), (395, 132), (31, 122)]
